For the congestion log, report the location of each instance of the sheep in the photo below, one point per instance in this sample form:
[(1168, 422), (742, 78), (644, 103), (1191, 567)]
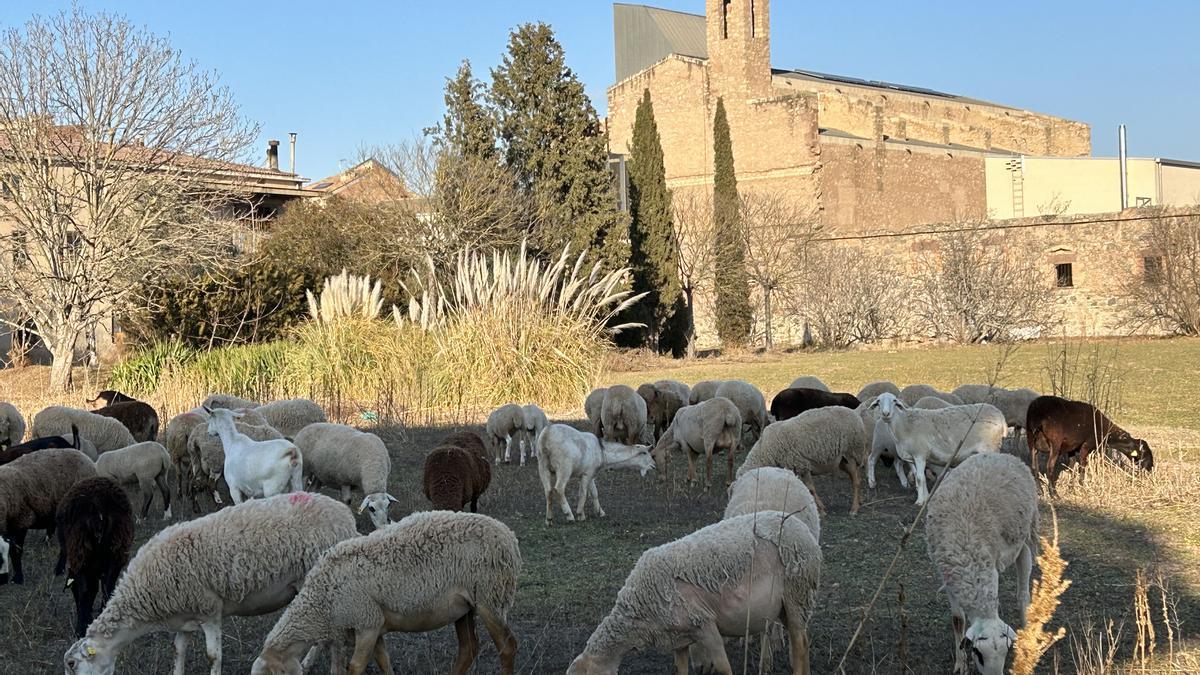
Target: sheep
[(747, 572), (147, 464), (534, 422), (1014, 403), (623, 415), (565, 453), (663, 399), (1059, 426), (703, 390), (701, 429), (427, 571), (245, 560), (593, 406), (942, 437), (750, 404), (255, 468), (71, 440), (339, 456), (882, 445), (12, 425), (108, 397), (808, 382), (31, 488), (873, 389), (206, 454), (791, 402), (105, 433), (503, 425), (95, 536), (819, 441), (139, 418), (227, 401), (457, 472), (915, 392), (175, 439), (770, 488), (932, 403), (289, 417), (982, 519)]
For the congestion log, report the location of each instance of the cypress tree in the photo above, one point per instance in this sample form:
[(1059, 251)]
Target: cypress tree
[(654, 255), (468, 127), (733, 314)]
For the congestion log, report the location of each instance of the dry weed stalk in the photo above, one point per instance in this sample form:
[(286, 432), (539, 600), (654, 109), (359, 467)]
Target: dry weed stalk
[(1033, 641), (1143, 648)]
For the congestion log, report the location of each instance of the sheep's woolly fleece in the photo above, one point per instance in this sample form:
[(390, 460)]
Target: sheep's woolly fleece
[(12, 425), (175, 436), (1014, 403), (915, 392), (770, 488), (593, 405), (227, 401), (289, 417), (104, 432), (140, 461), (193, 568), (749, 401), (703, 390), (814, 441), (808, 382), (873, 389), (976, 524), (406, 567), (338, 455), (32, 486), (648, 607), (623, 412)]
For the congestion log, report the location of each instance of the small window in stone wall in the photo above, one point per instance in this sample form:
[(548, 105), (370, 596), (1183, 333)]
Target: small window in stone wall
[(1152, 267), (1063, 275)]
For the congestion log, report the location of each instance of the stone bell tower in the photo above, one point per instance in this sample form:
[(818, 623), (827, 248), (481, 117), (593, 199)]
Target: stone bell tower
[(739, 47)]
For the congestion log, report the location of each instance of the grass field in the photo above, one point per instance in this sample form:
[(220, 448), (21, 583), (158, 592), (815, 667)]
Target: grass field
[(572, 571)]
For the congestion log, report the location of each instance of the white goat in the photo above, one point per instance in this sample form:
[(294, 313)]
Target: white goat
[(940, 437), (255, 468), (565, 452)]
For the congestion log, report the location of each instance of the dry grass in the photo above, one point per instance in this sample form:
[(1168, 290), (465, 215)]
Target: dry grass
[(1033, 640)]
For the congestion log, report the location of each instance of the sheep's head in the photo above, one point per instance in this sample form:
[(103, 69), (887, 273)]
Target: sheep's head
[(886, 405), (1141, 455), (987, 642), (642, 460), (590, 664), (89, 656), (221, 417), (662, 453), (376, 505), (272, 662)]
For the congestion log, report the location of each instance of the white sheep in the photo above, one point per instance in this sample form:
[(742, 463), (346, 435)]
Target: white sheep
[(105, 433), (769, 488), (1014, 403), (593, 408), (245, 560), (426, 571), (503, 426), (750, 404), (227, 401), (255, 468), (701, 430), (808, 382), (339, 456), (932, 403), (535, 423), (565, 453), (736, 577), (982, 519), (873, 389), (915, 392), (290, 416), (818, 441), (882, 444), (206, 455), (943, 438), (148, 464), (623, 415), (12, 425), (703, 390)]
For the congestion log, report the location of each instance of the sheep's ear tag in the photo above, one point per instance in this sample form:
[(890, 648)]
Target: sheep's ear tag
[(1134, 453), (69, 582), (91, 651)]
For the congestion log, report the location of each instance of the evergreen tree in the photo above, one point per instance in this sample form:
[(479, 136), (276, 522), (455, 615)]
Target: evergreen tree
[(553, 143), (654, 256), (732, 284), (468, 128)]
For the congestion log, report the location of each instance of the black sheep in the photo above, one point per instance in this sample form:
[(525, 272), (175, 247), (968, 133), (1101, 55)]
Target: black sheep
[(43, 443), (791, 402), (109, 397), (95, 536), (139, 418), (1059, 426)]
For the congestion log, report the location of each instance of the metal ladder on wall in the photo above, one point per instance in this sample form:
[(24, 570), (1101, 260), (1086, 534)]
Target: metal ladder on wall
[(1016, 170)]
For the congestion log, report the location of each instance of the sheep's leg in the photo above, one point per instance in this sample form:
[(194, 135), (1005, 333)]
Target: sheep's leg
[(1024, 570), (851, 470), (468, 646), (919, 479), (364, 650), (502, 636), (16, 551), (548, 490), (709, 639), (181, 646), (871, 460), (560, 488), (798, 646), (681, 661), (900, 466), (165, 488), (729, 453), (508, 440), (691, 467), (146, 488), (1052, 469), (212, 644), (84, 590), (381, 657), (959, 622), (346, 494), (808, 481), (595, 497), (584, 481)]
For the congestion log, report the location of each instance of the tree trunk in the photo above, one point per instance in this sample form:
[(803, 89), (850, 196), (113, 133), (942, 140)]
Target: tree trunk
[(691, 325), (770, 339), (62, 354)]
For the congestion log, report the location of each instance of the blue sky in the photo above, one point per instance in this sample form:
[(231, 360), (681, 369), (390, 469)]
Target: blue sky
[(344, 74)]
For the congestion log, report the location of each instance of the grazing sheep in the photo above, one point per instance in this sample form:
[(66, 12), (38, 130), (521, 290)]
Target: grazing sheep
[(95, 535), (701, 429), (289, 417), (791, 402), (339, 456), (457, 472), (31, 488), (750, 404), (1061, 427), (146, 464), (932, 403), (874, 389), (139, 418), (503, 425), (941, 437), (207, 454), (593, 408), (12, 425), (982, 519), (1014, 403), (108, 397), (702, 391), (663, 399), (245, 560), (429, 570), (915, 392), (809, 382), (71, 440), (565, 453), (255, 468), (105, 433), (819, 441), (882, 445), (770, 488), (227, 401), (535, 423), (623, 415), (175, 439), (747, 572)]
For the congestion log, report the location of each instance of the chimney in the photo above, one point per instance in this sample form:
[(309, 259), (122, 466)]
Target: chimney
[(273, 155), (292, 162)]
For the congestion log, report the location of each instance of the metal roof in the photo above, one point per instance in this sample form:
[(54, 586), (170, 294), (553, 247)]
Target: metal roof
[(643, 36), (814, 76)]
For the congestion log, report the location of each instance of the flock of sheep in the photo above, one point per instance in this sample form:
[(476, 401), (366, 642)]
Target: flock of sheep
[(754, 572)]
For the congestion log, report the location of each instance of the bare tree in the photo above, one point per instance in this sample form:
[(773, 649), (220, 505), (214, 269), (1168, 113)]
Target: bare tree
[(776, 230), (692, 223), (1165, 292), (113, 151), (851, 296)]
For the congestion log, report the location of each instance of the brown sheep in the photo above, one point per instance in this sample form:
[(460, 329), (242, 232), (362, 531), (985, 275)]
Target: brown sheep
[(108, 397), (457, 472), (662, 402), (95, 536), (1059, 426), (139, 418)]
